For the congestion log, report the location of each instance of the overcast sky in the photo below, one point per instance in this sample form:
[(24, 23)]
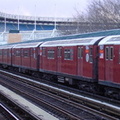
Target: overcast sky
[(44, 8)]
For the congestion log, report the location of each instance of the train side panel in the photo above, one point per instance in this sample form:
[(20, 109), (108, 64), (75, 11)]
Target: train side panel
[(69, 61), (74, 60), (101, 65), (116, 63), (88, 62), (49, 59), (16, 57), (6, 55), (109, 61), (1, 56), (26, 58), (34, 61)]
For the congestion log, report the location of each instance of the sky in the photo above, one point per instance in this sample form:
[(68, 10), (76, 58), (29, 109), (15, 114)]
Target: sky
[(44, 8)]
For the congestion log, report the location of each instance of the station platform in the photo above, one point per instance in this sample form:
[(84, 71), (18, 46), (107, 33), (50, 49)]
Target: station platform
[(32, 108)]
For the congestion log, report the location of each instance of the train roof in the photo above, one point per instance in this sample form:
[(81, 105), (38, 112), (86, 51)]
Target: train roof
[(6, 46), (110, 40), (28, 45), (72, 42)]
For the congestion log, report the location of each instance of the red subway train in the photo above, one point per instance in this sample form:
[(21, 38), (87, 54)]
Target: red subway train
[(93, 63)]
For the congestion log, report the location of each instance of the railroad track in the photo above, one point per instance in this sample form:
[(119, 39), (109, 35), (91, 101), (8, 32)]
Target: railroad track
[(6, 114), (11, 111), (65, 103)]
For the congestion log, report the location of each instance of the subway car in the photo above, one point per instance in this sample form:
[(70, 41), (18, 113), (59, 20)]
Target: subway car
[(25, 57), (73, 61), (109, 65), (92, 63)]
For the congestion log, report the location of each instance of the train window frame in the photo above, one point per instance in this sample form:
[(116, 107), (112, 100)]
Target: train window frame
[(107, 53), (80, 52), (68, 54), (5, 53), (9, 51), (91, 55), (44, 52), (17, 53), (33, 53), (1, 52), (26, 53), (59, 52), (51, 54), (111, 52), (119, 56)]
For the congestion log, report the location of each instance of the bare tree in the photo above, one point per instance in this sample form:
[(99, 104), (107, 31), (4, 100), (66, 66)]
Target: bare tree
[(104, 11), (100, 15)]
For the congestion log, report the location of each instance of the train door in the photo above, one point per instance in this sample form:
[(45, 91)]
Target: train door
[(43, 57), (109, 56), (9, 56), (33, 57), (80, 60), (1, 54), (59, 59)]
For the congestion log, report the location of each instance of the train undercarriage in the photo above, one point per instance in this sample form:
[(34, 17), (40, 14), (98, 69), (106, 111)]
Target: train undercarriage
[(92, 87)]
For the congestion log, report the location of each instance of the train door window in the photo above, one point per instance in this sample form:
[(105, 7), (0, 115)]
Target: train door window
[(107, 53), (9, 52), (22, 53), (31, 52), (111, 53), (68, 54), (26, 53), (91, 55), (0, 52), (119, 56), (5, 52), (80, 52), (59, 52), (13, 52), (34, 53), (44, 51), (51, 54), (17, 52)]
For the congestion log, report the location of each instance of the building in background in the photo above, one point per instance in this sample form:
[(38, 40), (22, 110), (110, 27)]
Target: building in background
[(30, 27)]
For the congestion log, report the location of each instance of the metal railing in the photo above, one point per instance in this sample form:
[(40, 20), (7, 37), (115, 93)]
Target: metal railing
[(22, 17)]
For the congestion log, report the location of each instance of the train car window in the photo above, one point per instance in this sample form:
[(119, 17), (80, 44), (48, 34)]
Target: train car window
[(111, 53), (9, 52), (80, 52), (17, 53), (119, 57), (33, 53), (44, 51), (91, 55), (51, 54), (59, 52), (0, 52), (68, 54), (5, 53), (107, 53), (26, 53)]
